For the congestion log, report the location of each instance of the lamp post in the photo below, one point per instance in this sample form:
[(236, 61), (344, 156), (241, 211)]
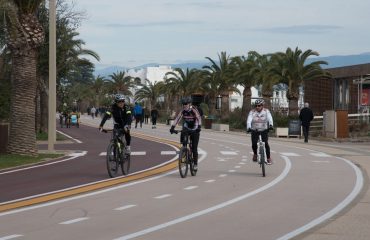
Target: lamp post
[(52, 75), (219, 104)]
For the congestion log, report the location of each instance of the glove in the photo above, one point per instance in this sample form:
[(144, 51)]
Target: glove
[(249, 130), (199, 129), (126, 128), (172, 129), (271, 127)]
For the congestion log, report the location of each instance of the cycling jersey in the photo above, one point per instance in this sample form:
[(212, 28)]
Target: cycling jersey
[(191, 118), (259, 120)]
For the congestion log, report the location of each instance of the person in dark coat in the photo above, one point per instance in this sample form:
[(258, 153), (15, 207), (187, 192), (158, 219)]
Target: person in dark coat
[(154, 115), (306, 116)]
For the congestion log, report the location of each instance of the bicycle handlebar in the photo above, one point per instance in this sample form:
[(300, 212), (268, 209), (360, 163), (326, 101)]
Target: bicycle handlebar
[(184, 131)]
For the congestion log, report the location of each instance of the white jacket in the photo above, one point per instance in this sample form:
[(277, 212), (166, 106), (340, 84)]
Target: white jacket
[(259, 120)]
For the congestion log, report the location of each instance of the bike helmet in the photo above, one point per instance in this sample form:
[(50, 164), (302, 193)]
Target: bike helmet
[(186, 100), (119, 98), (259, 102)]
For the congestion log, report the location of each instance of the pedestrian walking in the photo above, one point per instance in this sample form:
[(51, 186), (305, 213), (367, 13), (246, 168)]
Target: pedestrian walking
[(154, 115), (306, 116), (138, 113), (93, 111)]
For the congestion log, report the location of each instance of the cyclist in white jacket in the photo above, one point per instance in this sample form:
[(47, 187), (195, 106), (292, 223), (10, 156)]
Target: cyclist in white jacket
[(260, 120)]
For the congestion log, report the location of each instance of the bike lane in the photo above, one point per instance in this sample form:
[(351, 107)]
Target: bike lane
[(83, 164)]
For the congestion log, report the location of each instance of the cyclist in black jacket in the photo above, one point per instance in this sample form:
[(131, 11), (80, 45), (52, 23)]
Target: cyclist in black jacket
[(121, 117)]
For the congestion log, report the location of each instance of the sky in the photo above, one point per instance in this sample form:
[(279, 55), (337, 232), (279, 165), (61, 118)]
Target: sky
[(132, 33)]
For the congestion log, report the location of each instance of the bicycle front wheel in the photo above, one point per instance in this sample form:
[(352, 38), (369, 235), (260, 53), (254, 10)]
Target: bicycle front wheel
[(263, 161), (125, 164), (183, 162), (112, 160)]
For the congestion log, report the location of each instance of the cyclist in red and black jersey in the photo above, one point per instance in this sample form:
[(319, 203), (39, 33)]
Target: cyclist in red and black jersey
[(191, 121)]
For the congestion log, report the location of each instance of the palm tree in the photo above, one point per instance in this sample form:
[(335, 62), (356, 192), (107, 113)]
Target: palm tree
[(291, 68), (220, 77), (120, 83), (24, 35), (263, 75), (149, 92), (244, 76), (181, 83)]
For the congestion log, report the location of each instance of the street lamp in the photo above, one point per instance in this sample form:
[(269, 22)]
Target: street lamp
[(52, 75)]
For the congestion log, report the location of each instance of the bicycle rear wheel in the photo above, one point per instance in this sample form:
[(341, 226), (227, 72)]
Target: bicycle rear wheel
[(183, 162), (125, 164), (193, 172), (263, 161), (112, 160)]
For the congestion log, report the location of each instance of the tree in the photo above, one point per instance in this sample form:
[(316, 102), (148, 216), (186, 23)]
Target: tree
[(24, 35), (149, 92), (291, 68), (220, 77), (120, 83)]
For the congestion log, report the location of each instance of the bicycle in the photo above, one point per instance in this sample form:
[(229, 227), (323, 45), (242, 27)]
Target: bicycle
[(186, 155), (116, 153), (261, 152)]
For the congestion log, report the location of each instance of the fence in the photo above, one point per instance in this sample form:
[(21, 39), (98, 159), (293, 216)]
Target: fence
[(358, 125)]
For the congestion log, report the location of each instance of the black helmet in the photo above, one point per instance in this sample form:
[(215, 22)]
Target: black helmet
[(185, 100), (259, 102), (119, 98)]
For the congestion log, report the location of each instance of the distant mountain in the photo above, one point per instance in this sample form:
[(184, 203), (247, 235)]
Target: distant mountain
[(333, 62), (341, 61)]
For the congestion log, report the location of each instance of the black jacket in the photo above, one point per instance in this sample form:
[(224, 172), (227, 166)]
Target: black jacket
[(121, 116), (306, 116)]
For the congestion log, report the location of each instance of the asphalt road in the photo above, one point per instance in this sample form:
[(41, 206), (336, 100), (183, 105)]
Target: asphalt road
[(228, 199)]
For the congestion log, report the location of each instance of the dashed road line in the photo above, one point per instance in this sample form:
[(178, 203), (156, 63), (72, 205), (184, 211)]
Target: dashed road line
[(222, 175), (210, 181), (190, 187), (74, 220), (125, 207), (168, 152), (320, 154), (11, 237), (289, 154), (228, 153), (163, 196)]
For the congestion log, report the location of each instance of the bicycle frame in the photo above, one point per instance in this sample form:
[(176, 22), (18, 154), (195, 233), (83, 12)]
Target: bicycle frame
[(261, 153)]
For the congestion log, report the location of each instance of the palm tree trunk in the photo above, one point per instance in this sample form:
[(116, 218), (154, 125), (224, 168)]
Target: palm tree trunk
[(246, 107), (22, 117)]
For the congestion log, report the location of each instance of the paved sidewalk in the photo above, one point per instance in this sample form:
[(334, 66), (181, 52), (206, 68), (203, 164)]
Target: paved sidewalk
[(353, 223)]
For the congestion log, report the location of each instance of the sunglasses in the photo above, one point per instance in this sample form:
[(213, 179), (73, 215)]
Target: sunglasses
[(258, 105), (120, 101)]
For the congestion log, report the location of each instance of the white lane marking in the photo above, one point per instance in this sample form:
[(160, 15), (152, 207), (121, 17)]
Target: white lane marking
[(242, 163), (289, 154), (321, 161), (356, 190), (228, 153), (232, 170), (222, 160), (11, 237), (74, 220), (103, 154), (213, 208), (76, 140), (320, 154), (190, 187), (222, 175), (138, 153), (237, 167), (163, 196), (245, 160), (201, 151), (72, 156), (210, 181), (125, 207), (168, 152)]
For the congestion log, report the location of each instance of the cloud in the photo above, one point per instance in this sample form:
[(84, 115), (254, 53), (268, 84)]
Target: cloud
[(301, 29), (152, 24)]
